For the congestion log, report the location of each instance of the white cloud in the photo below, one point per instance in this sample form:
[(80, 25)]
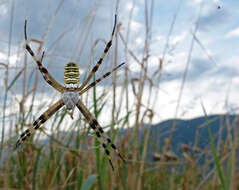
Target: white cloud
[(2, 57), (230, 67), (139, 41), (12, 59), (208, 5), (199, 1), (136, 26), (178, 62), (154, 61), (233, 33), (194, 2), (178, 38), (159, 38), (3, 9), (129, 6)]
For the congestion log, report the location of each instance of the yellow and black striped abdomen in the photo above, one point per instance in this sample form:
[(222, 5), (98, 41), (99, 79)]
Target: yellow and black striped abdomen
[(71, 74)]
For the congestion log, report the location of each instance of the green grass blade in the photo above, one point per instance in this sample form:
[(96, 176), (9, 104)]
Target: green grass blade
[(95, 101), (12, 173), (89, 182), (214, 150), (15, 79), (36, 164), (229, 172), (97, 144), (80, 179)]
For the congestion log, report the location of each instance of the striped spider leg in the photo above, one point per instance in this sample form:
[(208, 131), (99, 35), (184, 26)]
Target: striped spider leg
[(99, 131), (46, 75), (96, 67), (94, 123), (100, 79), (37, 123)]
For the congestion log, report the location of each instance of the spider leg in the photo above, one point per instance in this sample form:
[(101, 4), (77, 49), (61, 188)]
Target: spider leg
[(98, 80), (70, 113), (96, 67), (37, 123), (46, 75), (98, 130)]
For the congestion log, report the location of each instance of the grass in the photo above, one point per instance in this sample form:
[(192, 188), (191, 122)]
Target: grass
[(224, 180), (73, 159)]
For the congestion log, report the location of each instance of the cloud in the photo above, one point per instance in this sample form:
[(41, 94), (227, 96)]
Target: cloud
[(3, 9), (178, 38), (197, 2), (228, 70), (199, 66), (213, 18), (233, 33), (129, 6), (81, 34), (13, 59), (136, 26)]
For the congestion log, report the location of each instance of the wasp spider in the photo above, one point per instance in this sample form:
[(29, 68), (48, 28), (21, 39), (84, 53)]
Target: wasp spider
[(70, 95)]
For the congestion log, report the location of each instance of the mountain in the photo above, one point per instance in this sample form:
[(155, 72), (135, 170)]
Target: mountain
[(188, 132)]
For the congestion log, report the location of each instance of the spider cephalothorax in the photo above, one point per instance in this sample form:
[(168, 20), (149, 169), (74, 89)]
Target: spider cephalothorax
[(70, 95), (70, 99)]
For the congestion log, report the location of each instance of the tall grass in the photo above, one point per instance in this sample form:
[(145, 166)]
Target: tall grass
[(74, 159)]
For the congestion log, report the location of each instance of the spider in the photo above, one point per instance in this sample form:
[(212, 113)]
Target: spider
[(70, 95)]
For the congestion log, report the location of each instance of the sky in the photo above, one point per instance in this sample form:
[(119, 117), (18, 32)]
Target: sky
[(210, 53)]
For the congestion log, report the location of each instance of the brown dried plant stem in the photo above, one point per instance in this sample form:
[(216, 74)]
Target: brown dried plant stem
[(148, 35), (114, 78), (6, 76)]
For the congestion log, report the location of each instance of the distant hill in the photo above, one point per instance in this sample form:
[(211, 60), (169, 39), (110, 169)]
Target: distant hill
[(185, 133)]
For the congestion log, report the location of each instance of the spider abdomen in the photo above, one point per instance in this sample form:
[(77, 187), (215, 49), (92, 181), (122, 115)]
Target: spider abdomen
[(71, 74), (70, 99)]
